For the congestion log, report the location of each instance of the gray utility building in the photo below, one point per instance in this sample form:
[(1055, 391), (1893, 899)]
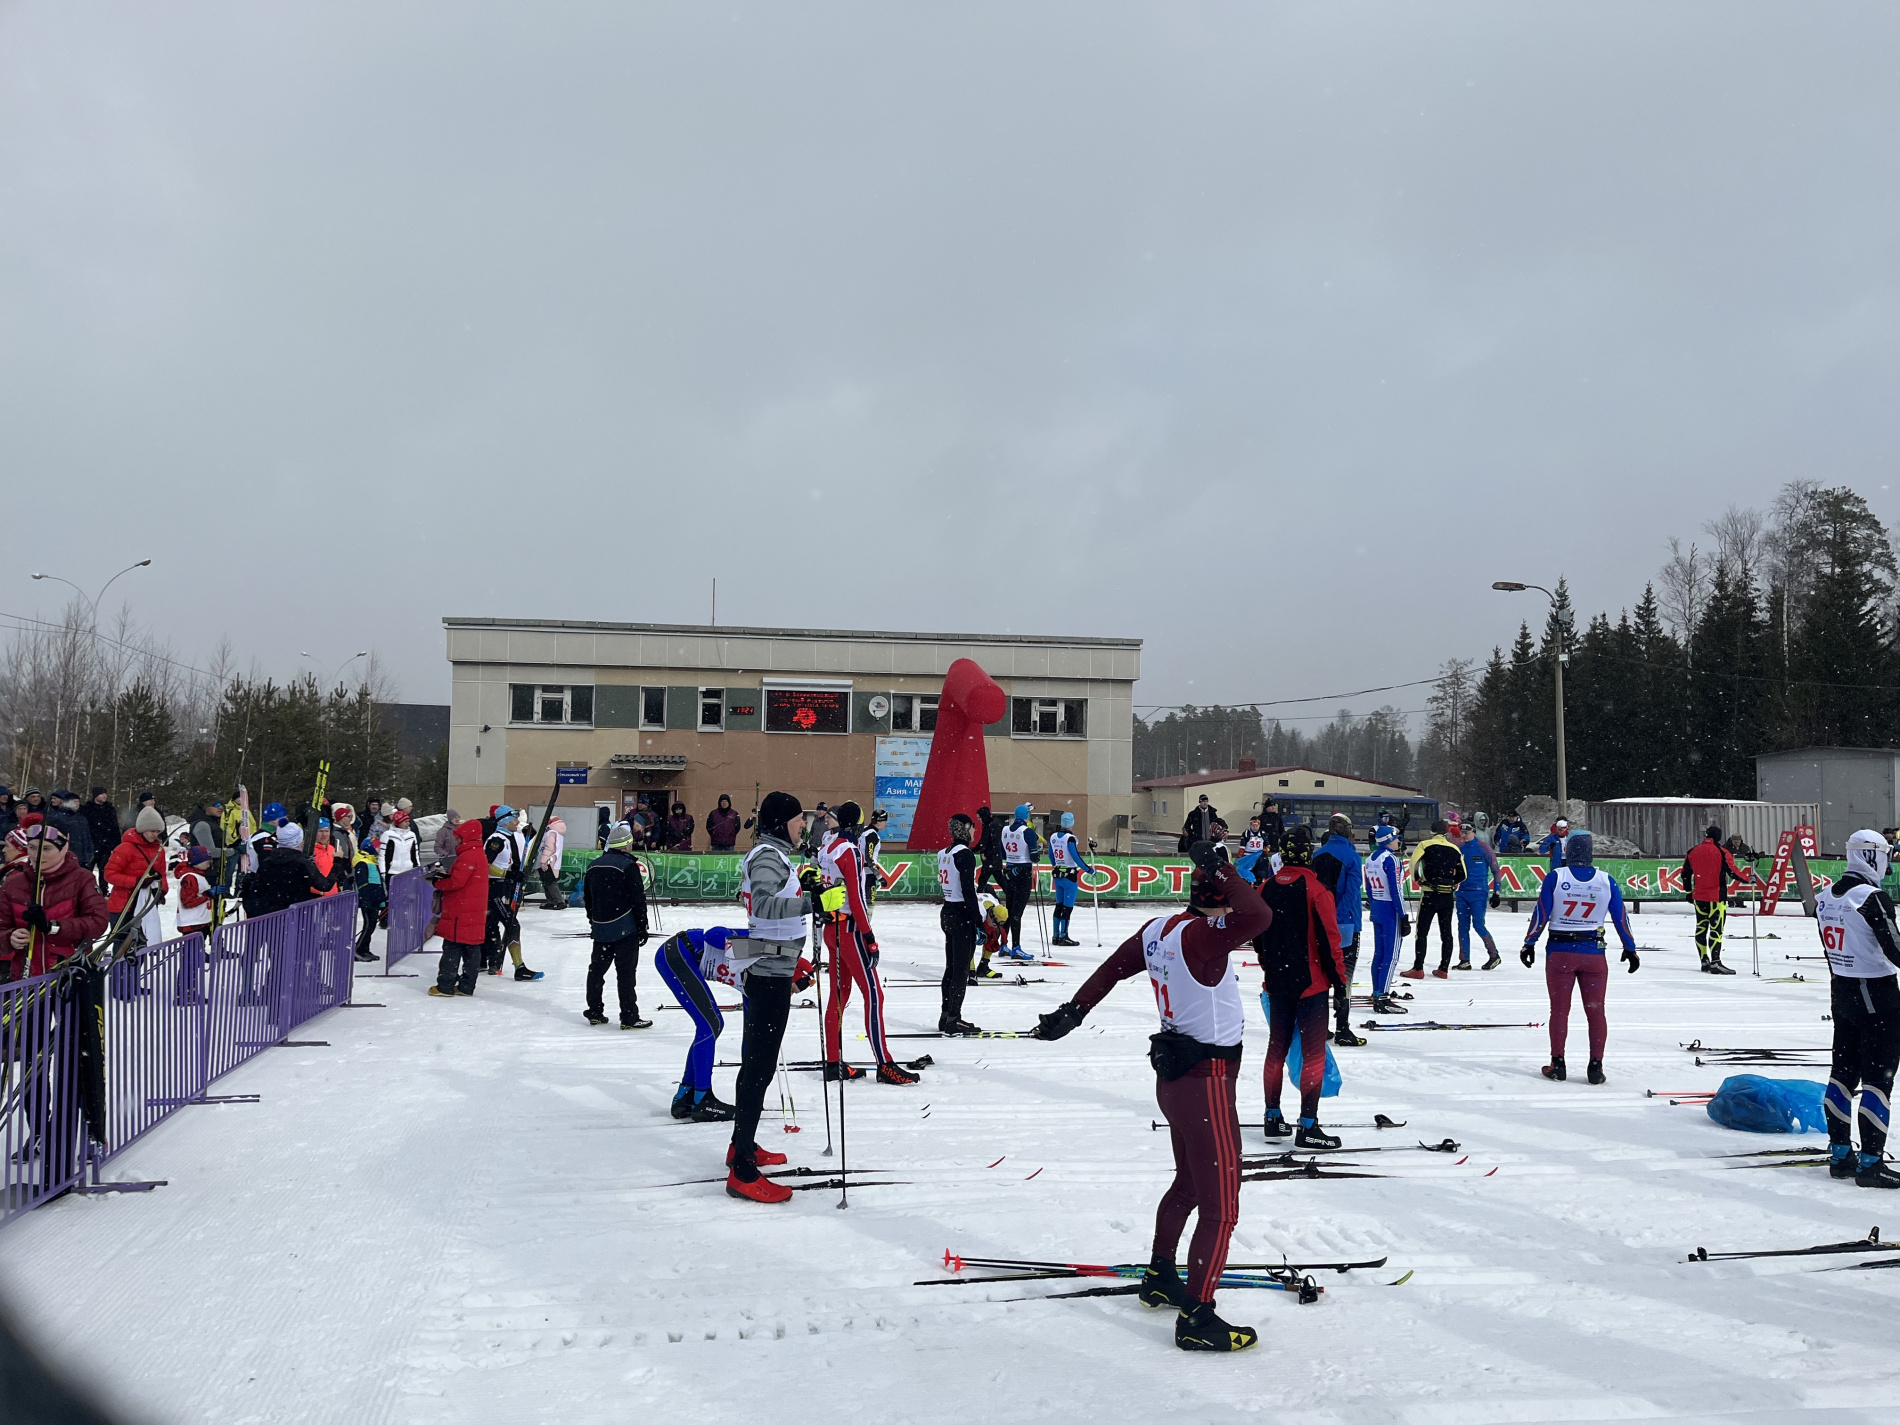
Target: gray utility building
[(1855, 787)]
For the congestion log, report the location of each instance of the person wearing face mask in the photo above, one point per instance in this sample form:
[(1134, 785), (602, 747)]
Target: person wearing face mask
[(1856, 921), (1577, 902)]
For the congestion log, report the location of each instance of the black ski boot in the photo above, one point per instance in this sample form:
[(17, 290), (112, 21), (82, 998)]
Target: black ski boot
[(1595, 1071), (1278, 1127), (1840, 1160), (1388, 1004), (636, 1022), (896, 1075), (712, 1109), (1715, 965), (595, 1017), (1876, 1172), (1346, 1039), (836, 1071), (683, 1105), (522, 972), (1555, 1068), (1161, 1285), (1311, 1135), (957, 1028), (1197, 1328), (1493, 962)]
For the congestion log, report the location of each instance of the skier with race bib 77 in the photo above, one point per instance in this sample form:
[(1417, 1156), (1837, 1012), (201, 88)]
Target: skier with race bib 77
[(1577, 901)]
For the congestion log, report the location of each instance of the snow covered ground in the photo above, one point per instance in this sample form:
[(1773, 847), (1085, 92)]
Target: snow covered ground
[(455, 1213)]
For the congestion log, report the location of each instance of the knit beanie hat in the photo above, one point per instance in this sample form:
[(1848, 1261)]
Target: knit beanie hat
[(290, 836), (149, 819), (621, 835), (776, 811)]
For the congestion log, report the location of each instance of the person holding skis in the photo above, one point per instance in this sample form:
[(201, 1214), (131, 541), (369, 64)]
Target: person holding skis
[(1022, 849), (1710, 872), (1477, 893), (1440, 868), (507, 853), (137, 866), (1067, 865), (1337, 867), (854, 950), (50, 907), (778, 896), (1385, 886), (956, 877), (1863, 951), (613, 891), (1196, 1058), (1577, 901), (1300, 959)]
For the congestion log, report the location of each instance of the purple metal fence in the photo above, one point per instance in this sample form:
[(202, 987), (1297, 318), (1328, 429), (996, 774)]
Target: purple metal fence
[(411, 898), (175, 1019), (39, 1094)]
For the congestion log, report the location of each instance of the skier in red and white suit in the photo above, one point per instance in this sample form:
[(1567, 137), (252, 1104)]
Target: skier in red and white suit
[(853, 947)]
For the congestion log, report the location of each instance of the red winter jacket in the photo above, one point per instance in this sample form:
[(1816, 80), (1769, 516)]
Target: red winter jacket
[(73, 903), (464, 918), (128, 862), (1711, 870)]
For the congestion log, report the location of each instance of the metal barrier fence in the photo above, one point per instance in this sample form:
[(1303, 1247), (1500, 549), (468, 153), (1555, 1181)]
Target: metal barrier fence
[(92, 1060), (411, 897)]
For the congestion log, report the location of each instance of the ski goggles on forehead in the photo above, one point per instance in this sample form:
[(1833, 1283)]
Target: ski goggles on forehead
[(43, 832)]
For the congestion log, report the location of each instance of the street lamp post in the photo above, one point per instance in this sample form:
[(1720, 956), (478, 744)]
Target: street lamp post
[(1563, 657), (92, 630)]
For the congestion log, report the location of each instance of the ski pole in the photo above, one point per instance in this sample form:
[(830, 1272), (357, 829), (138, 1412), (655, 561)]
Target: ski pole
[(818, 983), (1095, 894), (844, 1160)]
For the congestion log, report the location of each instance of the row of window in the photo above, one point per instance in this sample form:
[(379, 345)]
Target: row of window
[(789, 710)]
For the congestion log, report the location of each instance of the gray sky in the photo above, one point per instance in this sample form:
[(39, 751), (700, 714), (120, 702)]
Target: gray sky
[(1206, 323)]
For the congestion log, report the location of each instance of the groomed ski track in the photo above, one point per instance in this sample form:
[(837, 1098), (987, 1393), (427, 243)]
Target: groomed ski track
[(447, 1216)]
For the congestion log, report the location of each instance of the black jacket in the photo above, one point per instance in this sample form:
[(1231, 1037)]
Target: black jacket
[(1274, 825), (1199, 825), (285, 878), (102, 820), (78, 834), (614, 894), (990, 849)]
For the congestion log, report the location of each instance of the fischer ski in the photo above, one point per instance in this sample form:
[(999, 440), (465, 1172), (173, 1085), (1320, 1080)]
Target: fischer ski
[(1434, 1024)]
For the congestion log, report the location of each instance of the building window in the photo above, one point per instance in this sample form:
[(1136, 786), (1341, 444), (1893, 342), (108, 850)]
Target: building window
[(712, 709), (913, 712), (1285, 783), (551, 702), (1049, 717), (1319, 781), (653, 707)]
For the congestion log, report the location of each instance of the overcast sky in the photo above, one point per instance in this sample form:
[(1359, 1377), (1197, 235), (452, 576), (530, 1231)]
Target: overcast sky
[(1270, 334)]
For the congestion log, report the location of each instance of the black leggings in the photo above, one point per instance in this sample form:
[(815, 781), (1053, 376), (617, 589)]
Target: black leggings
[(1018, 882), (1342, 994), (1866, 1053), (959, 946), (1434, 905), (768, 1004)]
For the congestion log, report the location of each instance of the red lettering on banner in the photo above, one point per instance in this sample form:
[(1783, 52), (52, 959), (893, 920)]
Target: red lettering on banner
[(1542, 872), (895, 874), (1141, 874), (1669, 879), (1103, 887), (1507, 875), (1177, 875)]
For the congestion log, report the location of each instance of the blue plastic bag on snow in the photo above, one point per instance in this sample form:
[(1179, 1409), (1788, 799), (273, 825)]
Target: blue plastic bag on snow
[(1329, 1082), (1754, 1104)]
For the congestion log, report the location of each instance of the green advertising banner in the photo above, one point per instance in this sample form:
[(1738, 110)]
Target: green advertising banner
[(913, 876)]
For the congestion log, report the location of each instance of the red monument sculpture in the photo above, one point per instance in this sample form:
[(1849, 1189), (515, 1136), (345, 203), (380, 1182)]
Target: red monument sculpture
[(957, 777)]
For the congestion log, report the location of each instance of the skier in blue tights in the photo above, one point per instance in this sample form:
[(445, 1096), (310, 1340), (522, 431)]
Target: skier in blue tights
[(1478, 893), (1068, 864), (691, 963), (1385, 887)]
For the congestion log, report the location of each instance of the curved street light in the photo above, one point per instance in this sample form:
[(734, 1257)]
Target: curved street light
[(1508, 586), (337, 672), (92, 601)]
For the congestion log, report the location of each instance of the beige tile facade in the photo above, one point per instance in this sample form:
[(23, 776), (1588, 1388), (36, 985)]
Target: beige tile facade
[(494, 759)]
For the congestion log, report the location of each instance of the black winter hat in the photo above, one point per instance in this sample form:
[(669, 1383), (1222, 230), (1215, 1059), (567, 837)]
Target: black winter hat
[(848, 813), (776, 812), (1296, 848)]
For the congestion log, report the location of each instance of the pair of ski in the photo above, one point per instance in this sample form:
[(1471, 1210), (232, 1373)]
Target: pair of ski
[(1870, 1243), (833, 1178), (1696, 1046), (1434, 1024), (1253, 1276), (812, 1066), (1447, 1145), (1379, 1120)]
